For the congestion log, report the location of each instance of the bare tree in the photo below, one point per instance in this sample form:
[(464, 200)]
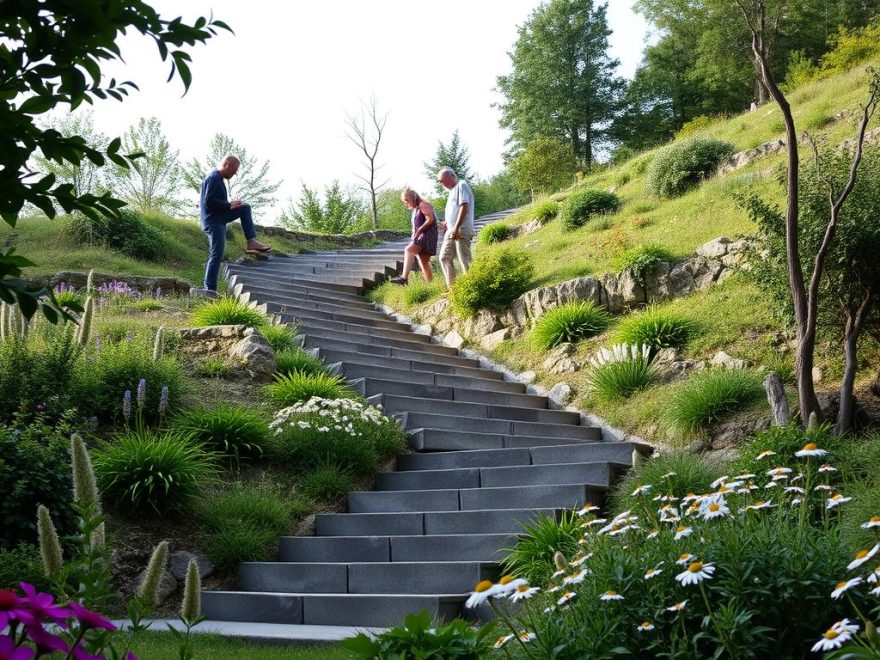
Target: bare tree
[(805, 294), (365, 131)]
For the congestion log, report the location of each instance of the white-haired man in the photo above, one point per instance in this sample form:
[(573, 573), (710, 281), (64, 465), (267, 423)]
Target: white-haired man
[(458, 223), (216, 211)]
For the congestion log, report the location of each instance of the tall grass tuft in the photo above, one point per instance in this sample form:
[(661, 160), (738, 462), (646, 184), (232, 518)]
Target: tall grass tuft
[(621, 371), (418, 292), (671, 473), (280, 337), (297, 359), (227, 311), (570, 323), (656, 327), (495, 232), (531, 558), (710, 395), (546, 210), (292, 387), (327, 483), (234, 431)]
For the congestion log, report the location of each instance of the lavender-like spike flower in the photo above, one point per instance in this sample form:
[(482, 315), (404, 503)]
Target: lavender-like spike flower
[(141, 393), (126, 405), (163, 400)]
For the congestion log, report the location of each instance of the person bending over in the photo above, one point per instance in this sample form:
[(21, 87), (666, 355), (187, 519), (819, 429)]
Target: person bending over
[(424, 235)]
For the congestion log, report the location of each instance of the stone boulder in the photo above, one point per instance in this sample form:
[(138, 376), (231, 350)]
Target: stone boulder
[(722, 359), (453, 339), (561, 393), (717, 247), (494, 339), (256, 355), (178, 563)]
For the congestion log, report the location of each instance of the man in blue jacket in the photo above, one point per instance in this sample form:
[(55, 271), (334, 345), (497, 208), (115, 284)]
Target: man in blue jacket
[(216, 211)]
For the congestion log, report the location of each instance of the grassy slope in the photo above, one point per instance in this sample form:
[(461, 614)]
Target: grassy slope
[(162, 646)]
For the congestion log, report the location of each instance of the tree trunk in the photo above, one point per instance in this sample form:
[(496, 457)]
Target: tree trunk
[(851, 334), (776, 397)]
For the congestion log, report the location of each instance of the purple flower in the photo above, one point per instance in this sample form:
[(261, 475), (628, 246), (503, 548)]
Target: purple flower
[(89, 619), (40, 407), (163, 400), (126, 405), (40, 607), (130, 656), (44, 641), (79, 653), (8, 650), (141, 393), (11, 608), (159, 292)]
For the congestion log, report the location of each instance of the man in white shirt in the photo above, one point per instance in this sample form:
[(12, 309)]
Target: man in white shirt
[(458, 223)]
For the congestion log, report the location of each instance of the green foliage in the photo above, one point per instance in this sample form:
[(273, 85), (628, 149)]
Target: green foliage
[(417, 292), (147, 305), (584, 204), (544, 166), (620, 372), (215, 367), (453, 154), (851, 47), (299, 360), (227, 311), (546, 210), (327, 483), (233, 431), (643, 259), (337, 214), (801, 70), (280, 337), (497, 194), (696, 125), (494, 279), (71, 300), (244, 521), (656, 327), (418, 637), (686, 164), (570, 323), (294, 386), (495, 232), (127, 233), (708, 396), (349, 435), (22, 564), (34, 469), (531, 558), (141, 472)]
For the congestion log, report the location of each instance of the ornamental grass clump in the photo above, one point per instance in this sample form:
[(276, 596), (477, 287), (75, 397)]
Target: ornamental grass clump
[(546, 210), (417, 291), (227, 311), (280, 337), (656, 327), (298, 359), (235, 432), (346, 433), (708, 396), (295, 386), (570, 322), (495, 232), (620, 371)]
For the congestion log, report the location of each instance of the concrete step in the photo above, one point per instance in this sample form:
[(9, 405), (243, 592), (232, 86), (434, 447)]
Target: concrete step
[(292, 314), (397, 403), (362, 331), (416, 547), (372, 386), (409, 343), (443, 440), (443, 577), (563, 496), (354, 370), (426, 352), (422, 420), (430, 364), (326, 609), (438, 522), (269, 292), (359, 310)]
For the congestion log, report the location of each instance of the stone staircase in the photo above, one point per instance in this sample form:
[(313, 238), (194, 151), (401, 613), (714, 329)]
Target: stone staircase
[(487, 458)]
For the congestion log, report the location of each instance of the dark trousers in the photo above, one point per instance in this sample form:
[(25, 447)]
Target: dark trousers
[(216, 231)]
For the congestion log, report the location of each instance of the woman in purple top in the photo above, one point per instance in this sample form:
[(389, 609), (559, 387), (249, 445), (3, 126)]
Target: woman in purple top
[(423, 245)]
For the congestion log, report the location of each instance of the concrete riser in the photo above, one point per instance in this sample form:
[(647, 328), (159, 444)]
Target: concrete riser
[(596, 474)]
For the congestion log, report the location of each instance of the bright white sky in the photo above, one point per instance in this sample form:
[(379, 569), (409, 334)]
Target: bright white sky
[(282, 85)]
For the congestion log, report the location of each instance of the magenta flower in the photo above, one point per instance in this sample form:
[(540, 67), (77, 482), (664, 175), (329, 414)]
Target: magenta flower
[(79, 653), (89, 619), (130, 656), (39, 607), (10, 608), (8, 650), (44, 641)]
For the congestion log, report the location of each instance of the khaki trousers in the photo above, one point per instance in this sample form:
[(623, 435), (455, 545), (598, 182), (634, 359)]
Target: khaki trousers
[(450, 248)]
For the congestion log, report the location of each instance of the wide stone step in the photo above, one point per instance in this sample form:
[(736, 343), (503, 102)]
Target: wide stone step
[(353, 271), (362, 331), (438, 522), (326, 609), (564, 496), (442, 440), (421, 547), (600, 475), (447, 577), (410, 343), (436, 365), (422, 420), (290, 314), (267, 291), (354, 370), (396, 403), (422, 353), (373, 386), (358, 310)]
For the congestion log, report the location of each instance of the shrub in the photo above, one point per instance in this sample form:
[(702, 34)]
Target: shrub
[(656, 327), (620, 372), (243, 522), (570, 323), (141, 472), (215, 368), (342, 432), (227, 311), (23, 564), (147, 305), (297, 359), (70, 300), (584, 204), (494, 280), (127, 233), (326, 483), (233, 431), (851, 46), (295, 386), (710, 395), (697, 124), (531, 558), (34, 469), (280, 337), (546, 210), (685, 164), (418, 292), (642, 260), (495, 232)]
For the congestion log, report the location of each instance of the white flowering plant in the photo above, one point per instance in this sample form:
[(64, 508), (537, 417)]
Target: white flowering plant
[(348, 433), (749, 564)]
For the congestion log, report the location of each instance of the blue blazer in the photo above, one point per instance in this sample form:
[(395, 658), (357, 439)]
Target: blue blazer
[(213, 201)]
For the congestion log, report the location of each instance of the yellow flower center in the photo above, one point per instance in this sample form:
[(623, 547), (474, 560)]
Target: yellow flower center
[(610, 593), (832, 634), (522, 588), (875, 519), (714, 507), (723, 489), (840, 585), (861, 554), (646, 624), (483, 586), (810, 446), (680, 528), (683, 557), (506, 579), (695, 567)]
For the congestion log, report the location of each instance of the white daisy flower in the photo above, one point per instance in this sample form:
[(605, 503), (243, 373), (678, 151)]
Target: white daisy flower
[(523, 592), (843, 587), (587, 508), (690, 497), (827, 467), (775, 472), (507, 584), (595, 521), (731, 485), (611, 595), (526, 636), (684, 559), (800, 477), (720, 481), (645, 626), (678, 607), (552, 589), (642, 490), (745, 477), (621, 516), (835, 500), (823, 487), (668, 475), (682, 532), (695, 573), (863, 556), (622, 530), (567, 596), (653, 534), (576, 578), (714, 508), (580, 560), (501, 641), (874, 576), (482, 592), (833, 638), (653, 572), (795, 489), (771, 484), (757, 506), (765, 454), (873, 522), (875, 591), (810, 449), (796, 501)]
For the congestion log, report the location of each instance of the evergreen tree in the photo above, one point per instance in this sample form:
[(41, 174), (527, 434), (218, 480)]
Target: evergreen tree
[(454, 155)]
